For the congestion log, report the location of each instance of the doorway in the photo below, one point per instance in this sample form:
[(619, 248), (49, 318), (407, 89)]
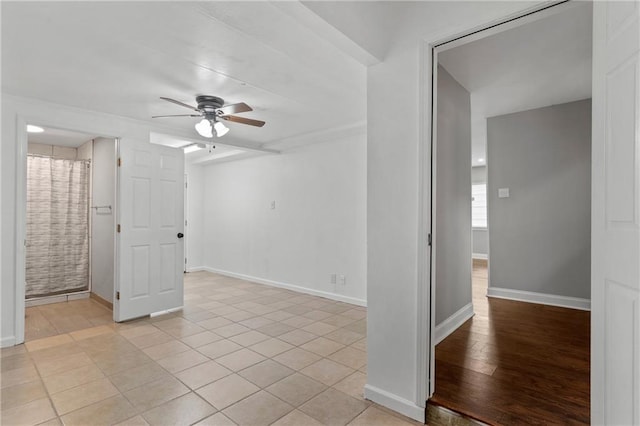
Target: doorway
[(70, 231), (486, 344)]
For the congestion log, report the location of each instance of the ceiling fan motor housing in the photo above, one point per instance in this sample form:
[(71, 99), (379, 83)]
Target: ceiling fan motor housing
[(209, 104)]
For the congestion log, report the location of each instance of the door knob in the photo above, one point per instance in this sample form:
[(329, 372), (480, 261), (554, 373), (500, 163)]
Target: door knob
[(180, 235)]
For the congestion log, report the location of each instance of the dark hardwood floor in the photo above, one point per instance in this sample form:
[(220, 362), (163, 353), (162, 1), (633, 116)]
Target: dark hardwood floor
[(516, 362)]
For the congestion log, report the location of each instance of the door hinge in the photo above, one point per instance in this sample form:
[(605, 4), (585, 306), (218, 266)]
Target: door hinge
[(185, 260), (119, 161), (185, 184), (118, 228), (117, 295), (429, 239)]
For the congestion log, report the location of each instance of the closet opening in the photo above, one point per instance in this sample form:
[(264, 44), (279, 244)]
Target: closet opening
[(70, 231)]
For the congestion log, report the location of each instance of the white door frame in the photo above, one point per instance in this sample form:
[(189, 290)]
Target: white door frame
[(186, 218), (428, 185), (22, 138)]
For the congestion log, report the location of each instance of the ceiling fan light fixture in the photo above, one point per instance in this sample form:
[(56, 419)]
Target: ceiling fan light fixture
[(220, 128), (204, 128)]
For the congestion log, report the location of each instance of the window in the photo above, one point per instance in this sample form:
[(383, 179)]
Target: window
[(479, 205)]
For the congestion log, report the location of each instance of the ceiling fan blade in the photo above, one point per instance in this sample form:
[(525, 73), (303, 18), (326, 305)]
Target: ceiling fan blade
[(243, 120), (179, 103), (234, 109), (177, 115)]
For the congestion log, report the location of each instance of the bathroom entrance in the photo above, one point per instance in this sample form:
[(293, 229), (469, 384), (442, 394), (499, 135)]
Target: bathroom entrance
[(70, 231)]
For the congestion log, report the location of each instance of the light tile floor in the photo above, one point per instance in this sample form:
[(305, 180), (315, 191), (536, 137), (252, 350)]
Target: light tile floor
[(238, 353), (58, 318)]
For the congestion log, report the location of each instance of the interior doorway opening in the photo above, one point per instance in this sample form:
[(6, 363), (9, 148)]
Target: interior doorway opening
[(487, 349), (70, 231)]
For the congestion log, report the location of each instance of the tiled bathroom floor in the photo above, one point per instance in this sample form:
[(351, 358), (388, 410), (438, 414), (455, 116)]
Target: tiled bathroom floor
[(239, 353), (59, 318)]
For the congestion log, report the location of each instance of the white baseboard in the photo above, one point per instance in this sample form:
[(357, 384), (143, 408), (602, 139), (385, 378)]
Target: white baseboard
[(5, 342), (395, 403), (326, 294), (196, 269), (479, 256), (452, 323), (540, 298)]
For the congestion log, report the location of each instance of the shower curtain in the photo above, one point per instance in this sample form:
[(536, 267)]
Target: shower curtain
[(57, 252)]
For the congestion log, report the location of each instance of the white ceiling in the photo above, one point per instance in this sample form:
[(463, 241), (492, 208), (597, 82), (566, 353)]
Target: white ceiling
[(300, 65), (59, 137), (539, 64), (296, 71)]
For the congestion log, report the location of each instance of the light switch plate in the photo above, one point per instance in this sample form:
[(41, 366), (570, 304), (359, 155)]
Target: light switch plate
[(503, 192)]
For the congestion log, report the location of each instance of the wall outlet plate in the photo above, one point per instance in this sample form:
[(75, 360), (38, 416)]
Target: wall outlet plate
[(503, 192)]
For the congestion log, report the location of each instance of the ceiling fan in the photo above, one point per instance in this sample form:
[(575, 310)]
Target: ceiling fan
[(212, 109)]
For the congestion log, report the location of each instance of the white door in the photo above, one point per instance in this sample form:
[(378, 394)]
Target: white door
[(615, 281), (150, 251)]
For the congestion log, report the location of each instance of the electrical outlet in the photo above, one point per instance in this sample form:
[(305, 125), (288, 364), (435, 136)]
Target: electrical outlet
[(332, 277), (342, 280)]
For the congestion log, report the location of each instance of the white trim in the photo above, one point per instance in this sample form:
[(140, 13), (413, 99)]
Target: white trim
[(451, 324), (430, 188), (479, 256), (394, 402), (326, 294), (540, 298), (197, 269), (21, 226), (424, 291), (525, 16), (7, 342)]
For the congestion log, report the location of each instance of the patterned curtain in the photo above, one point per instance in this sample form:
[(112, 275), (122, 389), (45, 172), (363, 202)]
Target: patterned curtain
[(57, 226)]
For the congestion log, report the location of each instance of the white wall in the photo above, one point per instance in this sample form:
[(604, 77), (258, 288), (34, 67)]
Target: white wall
[(194, 231), (103, 220), (318, 226), (85, 151), (397, 92)]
